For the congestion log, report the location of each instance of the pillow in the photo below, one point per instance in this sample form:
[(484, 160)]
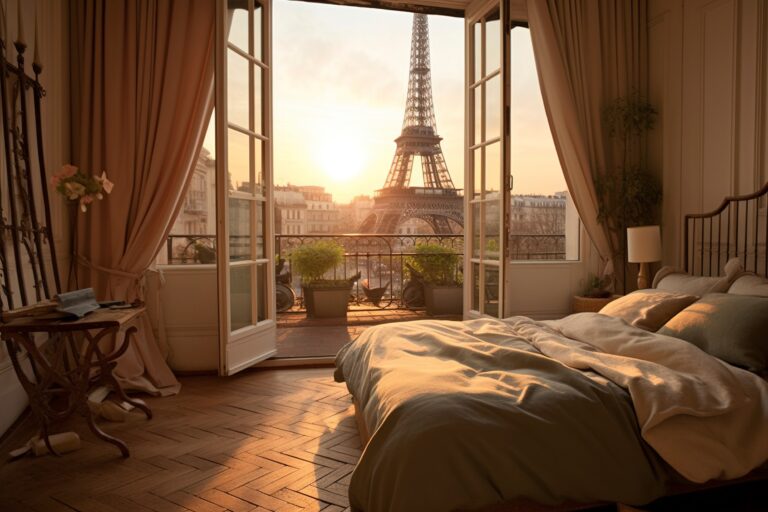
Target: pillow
[(648, 309), (750, 284), (731, 327), (674, 280)]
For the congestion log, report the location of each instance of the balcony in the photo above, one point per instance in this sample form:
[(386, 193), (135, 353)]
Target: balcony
[(537, 247), (380, 259)]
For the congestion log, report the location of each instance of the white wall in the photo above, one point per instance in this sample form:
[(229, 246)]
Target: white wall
[(544, 289), (183, 309), (54, 44), (709, 78)]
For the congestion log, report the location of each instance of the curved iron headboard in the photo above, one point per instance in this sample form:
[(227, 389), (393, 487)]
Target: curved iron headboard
[(737, 228), (29, 270)]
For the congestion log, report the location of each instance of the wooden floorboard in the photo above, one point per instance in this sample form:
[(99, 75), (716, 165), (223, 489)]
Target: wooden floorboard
[(276, 440)]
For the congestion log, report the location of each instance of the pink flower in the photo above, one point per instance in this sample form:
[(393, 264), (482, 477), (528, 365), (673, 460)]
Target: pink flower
[(105, 183), (79, 186), (67, 171)]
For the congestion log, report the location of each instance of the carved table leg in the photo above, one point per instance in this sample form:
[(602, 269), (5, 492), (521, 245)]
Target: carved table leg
[(64, 374), (45, 376), (139, 405), (46, 437), (103, 435)]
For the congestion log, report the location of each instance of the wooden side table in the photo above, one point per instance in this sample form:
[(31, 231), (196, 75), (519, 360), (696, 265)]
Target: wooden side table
[(580, 304), (61, 377)]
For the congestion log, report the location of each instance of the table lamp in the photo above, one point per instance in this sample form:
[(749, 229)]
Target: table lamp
[(643, 247)]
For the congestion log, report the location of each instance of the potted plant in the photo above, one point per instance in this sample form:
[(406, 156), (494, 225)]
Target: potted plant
[(596, 294), (324, 298), (629, 194), (438, 268)]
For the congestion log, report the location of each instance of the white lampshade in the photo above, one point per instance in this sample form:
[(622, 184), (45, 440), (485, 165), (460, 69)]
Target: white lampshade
[(644, 244)]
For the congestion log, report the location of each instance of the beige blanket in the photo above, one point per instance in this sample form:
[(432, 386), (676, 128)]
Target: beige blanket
[(706, 418)]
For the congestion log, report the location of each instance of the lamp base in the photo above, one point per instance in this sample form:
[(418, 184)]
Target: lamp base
[(642, 277)]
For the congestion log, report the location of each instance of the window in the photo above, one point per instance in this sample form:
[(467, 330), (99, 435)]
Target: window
[(194, 231), (544, 224)]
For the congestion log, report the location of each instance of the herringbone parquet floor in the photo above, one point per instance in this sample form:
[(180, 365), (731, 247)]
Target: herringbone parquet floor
[(281, 440)]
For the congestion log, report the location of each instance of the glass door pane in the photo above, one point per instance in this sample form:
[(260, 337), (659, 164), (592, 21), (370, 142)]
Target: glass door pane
[(246, 273), (486, 202)]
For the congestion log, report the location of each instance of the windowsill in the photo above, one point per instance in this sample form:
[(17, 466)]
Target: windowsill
[(187, 266), (543, 262)]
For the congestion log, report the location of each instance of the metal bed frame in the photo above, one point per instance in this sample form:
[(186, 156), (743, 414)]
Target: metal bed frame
[(28, 268), (736, 228)]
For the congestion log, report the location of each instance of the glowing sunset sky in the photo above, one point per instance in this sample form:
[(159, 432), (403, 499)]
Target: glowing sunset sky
[(340, 84), (341, 79)]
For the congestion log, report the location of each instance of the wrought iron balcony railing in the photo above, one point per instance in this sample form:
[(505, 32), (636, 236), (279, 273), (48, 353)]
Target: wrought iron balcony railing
[(380, 259)]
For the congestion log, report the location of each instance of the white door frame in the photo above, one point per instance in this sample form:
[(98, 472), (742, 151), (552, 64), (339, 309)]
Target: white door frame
[(255, 340), (482, 195)]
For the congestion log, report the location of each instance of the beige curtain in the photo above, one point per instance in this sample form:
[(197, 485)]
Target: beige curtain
[(588, 52), (142, 90)]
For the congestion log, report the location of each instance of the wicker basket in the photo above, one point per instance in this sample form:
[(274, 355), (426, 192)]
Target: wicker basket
[(581, 304)]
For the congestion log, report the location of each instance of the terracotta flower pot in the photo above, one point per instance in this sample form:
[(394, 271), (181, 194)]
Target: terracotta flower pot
[(327, 301), (443, 300)]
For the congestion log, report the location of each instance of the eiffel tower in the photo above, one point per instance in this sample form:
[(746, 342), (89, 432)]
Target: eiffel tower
[(438, 203)]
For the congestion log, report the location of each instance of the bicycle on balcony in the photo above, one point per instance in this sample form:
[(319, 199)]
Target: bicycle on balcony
[(285, 297)]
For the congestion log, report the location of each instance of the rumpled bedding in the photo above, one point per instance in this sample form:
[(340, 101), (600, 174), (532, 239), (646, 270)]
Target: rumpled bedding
[(468, 414)]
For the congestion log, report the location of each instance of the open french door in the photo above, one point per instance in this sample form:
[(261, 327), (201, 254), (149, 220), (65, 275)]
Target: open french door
[(245, 226), (486, 191)]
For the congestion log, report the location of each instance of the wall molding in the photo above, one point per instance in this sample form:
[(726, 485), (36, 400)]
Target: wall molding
[(761, 110), (709, 69), (736, 51)]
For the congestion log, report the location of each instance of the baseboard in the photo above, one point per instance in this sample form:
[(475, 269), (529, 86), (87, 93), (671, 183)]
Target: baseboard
[(297, 362)]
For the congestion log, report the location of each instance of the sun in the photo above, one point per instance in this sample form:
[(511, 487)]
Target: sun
[(339, 152)]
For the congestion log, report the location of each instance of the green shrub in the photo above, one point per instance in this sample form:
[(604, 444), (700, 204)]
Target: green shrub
[(312, 261), (596, 287), (438, 265)]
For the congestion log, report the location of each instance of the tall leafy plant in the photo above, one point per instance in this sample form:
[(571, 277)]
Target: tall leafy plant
[(628, 194)]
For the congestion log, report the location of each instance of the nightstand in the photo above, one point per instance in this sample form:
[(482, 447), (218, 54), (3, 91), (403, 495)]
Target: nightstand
[(581, 304)]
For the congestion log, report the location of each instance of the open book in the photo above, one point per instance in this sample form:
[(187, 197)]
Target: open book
[(65, 306)]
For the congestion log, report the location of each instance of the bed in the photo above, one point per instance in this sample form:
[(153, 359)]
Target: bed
[(592, 408)]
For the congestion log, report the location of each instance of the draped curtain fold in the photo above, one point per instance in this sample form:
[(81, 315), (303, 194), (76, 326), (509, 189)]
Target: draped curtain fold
[(142, 93), (588, 53)]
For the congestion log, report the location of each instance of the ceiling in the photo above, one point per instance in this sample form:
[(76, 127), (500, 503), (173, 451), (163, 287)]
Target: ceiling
[(444, 7)]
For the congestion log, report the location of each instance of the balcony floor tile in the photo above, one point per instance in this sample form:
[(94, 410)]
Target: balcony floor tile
[(299, 336)]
